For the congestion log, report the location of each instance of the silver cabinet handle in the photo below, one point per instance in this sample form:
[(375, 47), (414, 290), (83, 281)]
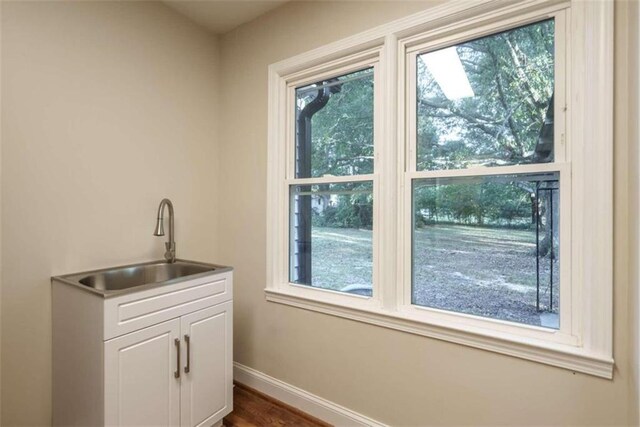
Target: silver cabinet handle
[(176, 374), (187, 368)]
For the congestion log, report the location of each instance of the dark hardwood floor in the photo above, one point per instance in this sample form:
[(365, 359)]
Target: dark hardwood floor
[(254, 409)]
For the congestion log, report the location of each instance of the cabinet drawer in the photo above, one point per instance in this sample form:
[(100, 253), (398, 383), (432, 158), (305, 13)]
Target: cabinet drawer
[(130, 312)]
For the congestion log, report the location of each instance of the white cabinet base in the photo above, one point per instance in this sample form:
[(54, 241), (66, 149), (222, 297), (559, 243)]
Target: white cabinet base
[(177, 371)]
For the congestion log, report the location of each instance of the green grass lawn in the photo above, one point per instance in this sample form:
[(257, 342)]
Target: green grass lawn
[(482, 271)]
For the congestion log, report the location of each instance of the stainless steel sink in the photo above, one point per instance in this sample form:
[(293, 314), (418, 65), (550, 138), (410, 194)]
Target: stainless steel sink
[(118, 280)]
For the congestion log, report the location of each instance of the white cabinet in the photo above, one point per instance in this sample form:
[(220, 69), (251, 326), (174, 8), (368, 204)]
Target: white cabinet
[(140, 388), (207, 379), (158, 357)]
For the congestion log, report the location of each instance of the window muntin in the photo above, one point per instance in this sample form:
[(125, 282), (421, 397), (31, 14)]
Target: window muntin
[(488, 246), (339, 240), (334, 126), (487, 101)]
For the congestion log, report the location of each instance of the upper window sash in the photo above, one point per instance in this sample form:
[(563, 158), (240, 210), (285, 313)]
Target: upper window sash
[(358, 62), (334, 126), (416, 48)]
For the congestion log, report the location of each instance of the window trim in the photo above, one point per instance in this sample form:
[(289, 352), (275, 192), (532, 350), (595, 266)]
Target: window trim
[(590, 95)]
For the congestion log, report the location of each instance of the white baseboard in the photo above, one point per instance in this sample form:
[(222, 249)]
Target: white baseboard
[(316, 406)]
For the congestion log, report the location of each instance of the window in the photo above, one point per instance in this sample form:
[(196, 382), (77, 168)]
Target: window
[(332, 242), (450, 175), (485, 243), (487, 101), (488, 246), (331, 223)]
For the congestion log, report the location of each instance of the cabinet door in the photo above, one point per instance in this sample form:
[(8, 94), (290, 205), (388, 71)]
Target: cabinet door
[(141, 388), (207, 383)]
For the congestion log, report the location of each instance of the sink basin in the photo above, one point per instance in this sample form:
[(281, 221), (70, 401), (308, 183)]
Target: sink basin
[(120, 279)]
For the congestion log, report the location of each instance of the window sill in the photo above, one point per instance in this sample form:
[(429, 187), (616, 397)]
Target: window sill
[(573, 358)]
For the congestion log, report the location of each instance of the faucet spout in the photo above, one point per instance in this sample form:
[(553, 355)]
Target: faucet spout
[(170, 245)]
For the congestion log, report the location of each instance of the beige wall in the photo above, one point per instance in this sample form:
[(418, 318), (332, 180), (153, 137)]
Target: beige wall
[(396, 378), (1, 7), (107, 107), (632, 15)]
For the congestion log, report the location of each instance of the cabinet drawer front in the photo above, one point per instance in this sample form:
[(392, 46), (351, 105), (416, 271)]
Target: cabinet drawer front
[(134, 311)]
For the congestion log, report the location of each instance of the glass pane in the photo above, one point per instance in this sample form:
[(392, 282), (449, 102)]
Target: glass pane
[(331, 244), (334, 126), (487, 102), (488, 246)]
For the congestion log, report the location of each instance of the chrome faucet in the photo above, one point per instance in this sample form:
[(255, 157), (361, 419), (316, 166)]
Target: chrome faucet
[(170, 245)]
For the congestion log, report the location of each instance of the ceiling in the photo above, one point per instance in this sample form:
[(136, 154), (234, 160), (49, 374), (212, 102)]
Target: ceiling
[(220, 16)]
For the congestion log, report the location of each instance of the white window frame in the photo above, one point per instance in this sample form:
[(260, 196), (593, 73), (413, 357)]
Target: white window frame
[(367, 58), (584, 153), (414, 46)]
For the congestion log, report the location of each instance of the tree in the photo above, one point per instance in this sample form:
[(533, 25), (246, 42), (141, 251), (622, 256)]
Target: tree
[(511, 75)]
